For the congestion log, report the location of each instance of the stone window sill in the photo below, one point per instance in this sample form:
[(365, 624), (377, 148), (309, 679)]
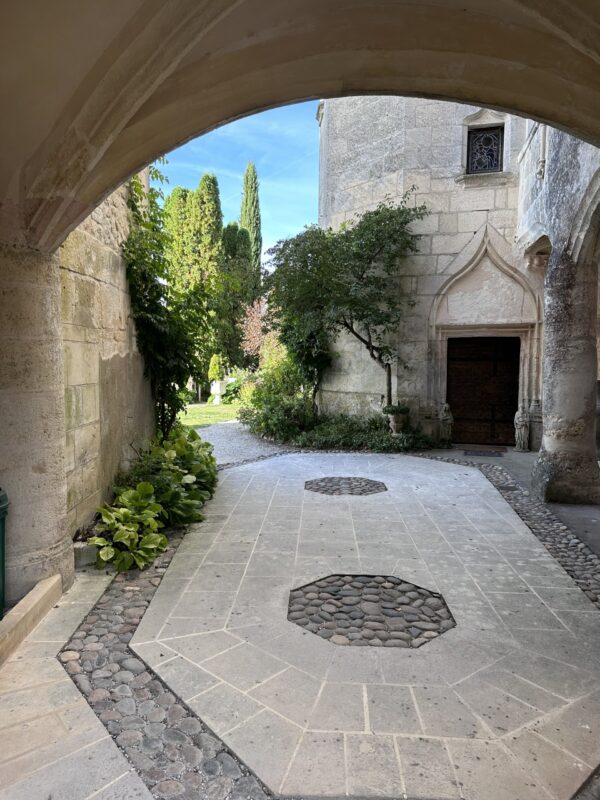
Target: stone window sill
[(485, 179)]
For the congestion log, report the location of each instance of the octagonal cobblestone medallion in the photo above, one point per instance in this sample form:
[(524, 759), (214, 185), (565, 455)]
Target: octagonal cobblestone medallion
[(370, 610), (345, 485)]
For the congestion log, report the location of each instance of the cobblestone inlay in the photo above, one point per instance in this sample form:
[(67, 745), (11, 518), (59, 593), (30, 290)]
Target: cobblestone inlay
[(342, 485), (253, 460), (370, 610), (574, 556), (174, 753)]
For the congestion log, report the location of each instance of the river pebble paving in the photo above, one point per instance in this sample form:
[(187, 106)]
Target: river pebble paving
[(370, 610)]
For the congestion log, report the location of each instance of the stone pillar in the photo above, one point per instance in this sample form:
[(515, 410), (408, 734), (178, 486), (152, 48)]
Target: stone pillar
[(32, 426), (567, 468)]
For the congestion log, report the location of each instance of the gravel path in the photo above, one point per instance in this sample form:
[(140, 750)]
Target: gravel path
[(234, 444)]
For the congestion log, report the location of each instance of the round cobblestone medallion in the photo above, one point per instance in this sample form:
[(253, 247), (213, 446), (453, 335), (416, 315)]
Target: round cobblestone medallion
[(370, 610), (340, 485)]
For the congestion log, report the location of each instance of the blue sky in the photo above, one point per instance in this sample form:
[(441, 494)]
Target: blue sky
[(284, 145)]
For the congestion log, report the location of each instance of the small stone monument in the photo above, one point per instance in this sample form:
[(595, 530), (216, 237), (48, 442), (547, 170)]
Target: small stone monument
[(446, 423), (522, 429)]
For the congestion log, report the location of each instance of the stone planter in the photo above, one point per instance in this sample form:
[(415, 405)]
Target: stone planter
[(398, 422)]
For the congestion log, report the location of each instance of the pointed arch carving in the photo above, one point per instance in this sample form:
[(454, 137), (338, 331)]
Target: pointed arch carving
[(487, 253), (490, 254)]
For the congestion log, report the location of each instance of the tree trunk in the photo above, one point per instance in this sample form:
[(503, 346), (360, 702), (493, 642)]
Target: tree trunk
[(388, 384)]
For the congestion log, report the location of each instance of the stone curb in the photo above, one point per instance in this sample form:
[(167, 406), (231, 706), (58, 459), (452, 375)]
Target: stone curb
[(22, 619)]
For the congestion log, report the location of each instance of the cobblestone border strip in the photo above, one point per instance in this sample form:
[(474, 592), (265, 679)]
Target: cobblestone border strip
[(172, 750), (574, 556), (254, 459)]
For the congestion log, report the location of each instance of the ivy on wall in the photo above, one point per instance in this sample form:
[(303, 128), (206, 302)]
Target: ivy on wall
[(170, 321)]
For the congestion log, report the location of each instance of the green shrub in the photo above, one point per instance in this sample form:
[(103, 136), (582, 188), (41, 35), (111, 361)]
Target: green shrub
[(234, 387), (282, 419), (396, 408), (172, 479), (182, 471), (343, 432), (131, 530), (274, 401)]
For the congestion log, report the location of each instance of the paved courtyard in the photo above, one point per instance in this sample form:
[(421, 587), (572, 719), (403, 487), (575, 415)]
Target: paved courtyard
[(503, 706)]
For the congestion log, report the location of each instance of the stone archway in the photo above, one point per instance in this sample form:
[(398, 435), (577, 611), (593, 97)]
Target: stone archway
[(94, 96), (90, 97)]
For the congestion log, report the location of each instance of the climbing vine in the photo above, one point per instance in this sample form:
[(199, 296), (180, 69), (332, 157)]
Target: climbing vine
[(170, 322)]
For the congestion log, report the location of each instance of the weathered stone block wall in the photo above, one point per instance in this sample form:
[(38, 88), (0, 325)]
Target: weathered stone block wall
[(373, 148), (559, 192), (108, 406)]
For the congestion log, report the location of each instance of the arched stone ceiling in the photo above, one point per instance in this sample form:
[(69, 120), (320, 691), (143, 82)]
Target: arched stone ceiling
[(93, 91)]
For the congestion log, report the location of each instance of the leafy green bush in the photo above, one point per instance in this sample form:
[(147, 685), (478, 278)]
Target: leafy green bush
[(281, 418), (342, 432), (171, 325), (234, 388), (396, 408), (131, 527), (274, 401), (182, 471), (172, 479)]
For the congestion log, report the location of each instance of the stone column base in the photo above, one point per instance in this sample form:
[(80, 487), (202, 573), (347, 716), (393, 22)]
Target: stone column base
[(565, 477)]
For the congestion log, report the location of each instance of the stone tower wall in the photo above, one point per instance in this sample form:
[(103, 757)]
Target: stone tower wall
[(373, 148)]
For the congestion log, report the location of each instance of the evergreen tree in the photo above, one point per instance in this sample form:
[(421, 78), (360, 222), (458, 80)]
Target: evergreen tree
[(237, 253), (236, 291), (250, 220), (175, 210), (203, 233)]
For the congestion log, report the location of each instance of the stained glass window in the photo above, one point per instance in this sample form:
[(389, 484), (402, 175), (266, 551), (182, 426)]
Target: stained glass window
[(484, 151)]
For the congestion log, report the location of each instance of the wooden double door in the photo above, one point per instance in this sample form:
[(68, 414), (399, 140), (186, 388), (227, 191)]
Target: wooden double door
[(483, 388)]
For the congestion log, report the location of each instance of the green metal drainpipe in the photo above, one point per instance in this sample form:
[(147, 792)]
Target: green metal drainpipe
[(3, 513)]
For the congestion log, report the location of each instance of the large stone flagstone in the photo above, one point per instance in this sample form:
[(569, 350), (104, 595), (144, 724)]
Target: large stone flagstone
[(505, 705)]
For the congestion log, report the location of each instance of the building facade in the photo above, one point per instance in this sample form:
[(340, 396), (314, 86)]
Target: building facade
[(472, 331)]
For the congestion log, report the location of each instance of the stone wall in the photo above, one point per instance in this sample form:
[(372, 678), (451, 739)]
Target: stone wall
[(559, 195), (108, 407), (373, 148)]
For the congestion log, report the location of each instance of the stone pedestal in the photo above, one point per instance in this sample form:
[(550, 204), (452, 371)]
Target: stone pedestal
[(567, 468), (32, 428)]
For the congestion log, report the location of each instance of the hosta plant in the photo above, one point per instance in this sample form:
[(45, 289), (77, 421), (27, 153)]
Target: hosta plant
[(131, 529)]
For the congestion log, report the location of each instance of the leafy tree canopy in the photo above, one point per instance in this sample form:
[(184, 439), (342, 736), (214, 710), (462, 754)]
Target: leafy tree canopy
[(325, 282), (169, 323)]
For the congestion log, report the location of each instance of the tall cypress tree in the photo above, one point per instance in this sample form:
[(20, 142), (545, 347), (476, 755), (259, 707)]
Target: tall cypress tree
[(204, 231), (250, 220), (175, 223)]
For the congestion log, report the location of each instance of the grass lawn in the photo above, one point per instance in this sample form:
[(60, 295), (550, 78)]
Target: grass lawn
[(199, 415)]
